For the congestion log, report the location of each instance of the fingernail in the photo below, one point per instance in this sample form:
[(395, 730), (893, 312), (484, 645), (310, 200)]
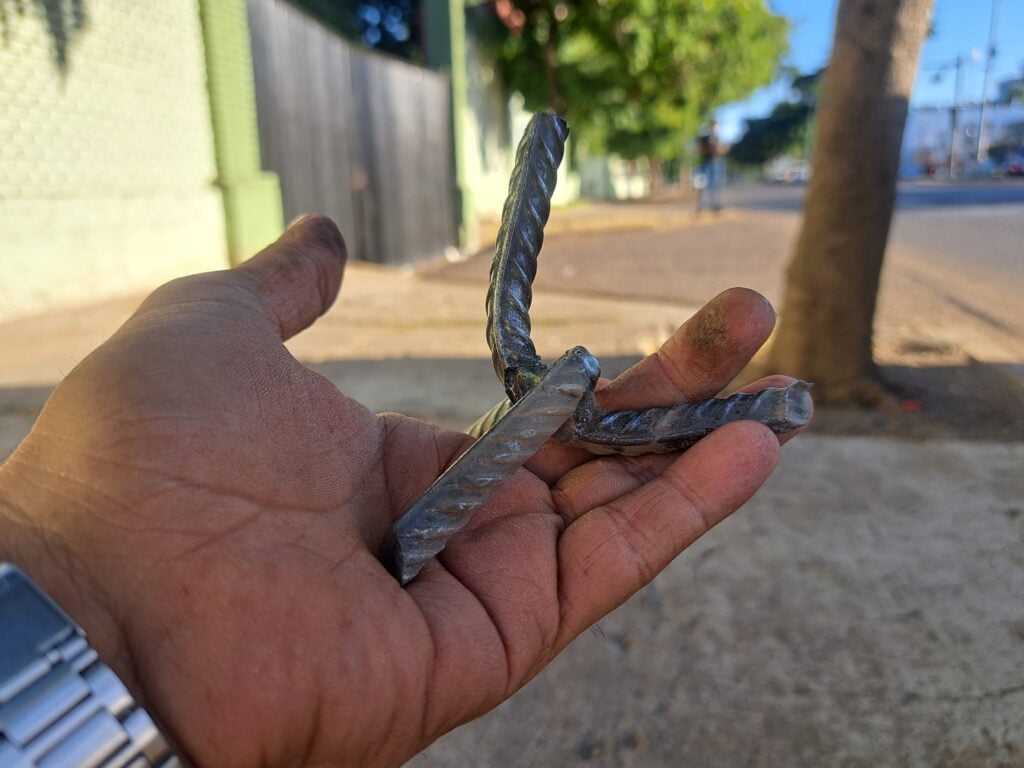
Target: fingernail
[(297, 221), (316, 228)]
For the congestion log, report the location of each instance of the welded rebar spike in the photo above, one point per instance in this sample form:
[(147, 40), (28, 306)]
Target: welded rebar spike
[(677, 427), (518, 245), (558, 401), (654, 430), (476, 475)]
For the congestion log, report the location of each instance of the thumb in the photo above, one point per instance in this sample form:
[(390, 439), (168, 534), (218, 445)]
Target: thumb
[(297, 277), (290, 283)]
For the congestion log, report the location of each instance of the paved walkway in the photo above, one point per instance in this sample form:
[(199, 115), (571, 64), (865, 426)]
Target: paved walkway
[(865, 609)]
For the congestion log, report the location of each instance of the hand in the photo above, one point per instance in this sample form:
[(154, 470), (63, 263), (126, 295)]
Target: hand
[(209, 510)]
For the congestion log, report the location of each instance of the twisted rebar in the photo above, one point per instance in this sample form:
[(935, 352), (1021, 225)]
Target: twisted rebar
[(424, 529), (559, 401), (520, 238), (651, 430), (677, 427)]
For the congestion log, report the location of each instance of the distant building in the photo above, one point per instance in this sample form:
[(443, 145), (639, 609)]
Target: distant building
[(928, 140), (1011, 91)]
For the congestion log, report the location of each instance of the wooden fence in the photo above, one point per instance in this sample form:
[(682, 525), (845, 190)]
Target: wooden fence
[(358, 136)]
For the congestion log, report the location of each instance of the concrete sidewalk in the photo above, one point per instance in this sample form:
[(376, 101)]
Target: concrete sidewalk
[(865, 609)]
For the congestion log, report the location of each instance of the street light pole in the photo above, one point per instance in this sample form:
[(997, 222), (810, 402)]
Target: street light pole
[(954, 143), (991, 54)]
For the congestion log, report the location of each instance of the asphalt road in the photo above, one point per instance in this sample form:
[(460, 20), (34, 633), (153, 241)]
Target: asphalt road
[(962, 243), (912, 195), (954, 274), (974, 229)]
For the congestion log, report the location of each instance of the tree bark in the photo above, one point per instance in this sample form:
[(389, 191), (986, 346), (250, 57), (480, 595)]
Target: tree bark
[(654, 175), (826, 326), (551, 64)]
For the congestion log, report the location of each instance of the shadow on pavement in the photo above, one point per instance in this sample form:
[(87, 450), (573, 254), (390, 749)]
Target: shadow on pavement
[(451, 392), (976, 402), (19, 407)]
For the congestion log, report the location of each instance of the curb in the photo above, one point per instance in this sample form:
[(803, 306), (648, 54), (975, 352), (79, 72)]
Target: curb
[(597, 219), (1011, 373)]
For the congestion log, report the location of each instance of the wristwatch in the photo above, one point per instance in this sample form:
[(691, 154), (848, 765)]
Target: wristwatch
[(60, 706)]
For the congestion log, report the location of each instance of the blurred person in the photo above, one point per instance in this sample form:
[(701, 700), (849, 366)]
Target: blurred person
[(209, 510), (711, 169)]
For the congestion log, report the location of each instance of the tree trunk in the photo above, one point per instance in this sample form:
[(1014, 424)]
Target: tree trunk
[(825, 329), (555, 100), (654, 176)]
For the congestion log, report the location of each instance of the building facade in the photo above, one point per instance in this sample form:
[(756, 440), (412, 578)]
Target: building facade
[(110, 179)]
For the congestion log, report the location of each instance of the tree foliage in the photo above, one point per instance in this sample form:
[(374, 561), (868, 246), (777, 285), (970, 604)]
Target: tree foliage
[(784, 130), (636, 77)]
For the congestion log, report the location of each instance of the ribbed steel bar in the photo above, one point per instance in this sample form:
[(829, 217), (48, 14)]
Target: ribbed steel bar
[(672, 428), (520, 238), (653, 430), (559, 401), (489, 419), (424, 529), (677, 427)]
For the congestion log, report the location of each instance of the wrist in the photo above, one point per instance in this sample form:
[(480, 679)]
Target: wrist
[(60, 704), (34, 537), (21, 538)]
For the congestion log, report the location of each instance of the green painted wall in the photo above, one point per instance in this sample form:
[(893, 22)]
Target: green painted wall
[(106, 153), (252, 198), (444, 47), (129, 151)]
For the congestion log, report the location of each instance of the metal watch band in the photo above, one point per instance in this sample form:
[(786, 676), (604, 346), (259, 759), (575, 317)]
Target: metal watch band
[(60, 706)]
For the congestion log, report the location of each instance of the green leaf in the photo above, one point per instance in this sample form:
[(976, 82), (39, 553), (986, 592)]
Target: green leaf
[(637, 77)]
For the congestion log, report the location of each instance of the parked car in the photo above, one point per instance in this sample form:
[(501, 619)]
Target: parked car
[(787, 170), (1007, 163), (1012, 166)]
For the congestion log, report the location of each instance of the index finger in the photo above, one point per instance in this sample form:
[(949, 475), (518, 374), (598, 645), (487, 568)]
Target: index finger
[(699, 360)]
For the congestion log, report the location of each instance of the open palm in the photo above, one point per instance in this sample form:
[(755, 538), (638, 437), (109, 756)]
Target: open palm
[(209, 510)]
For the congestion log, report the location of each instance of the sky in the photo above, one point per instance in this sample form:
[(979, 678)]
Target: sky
[(960, 28)]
